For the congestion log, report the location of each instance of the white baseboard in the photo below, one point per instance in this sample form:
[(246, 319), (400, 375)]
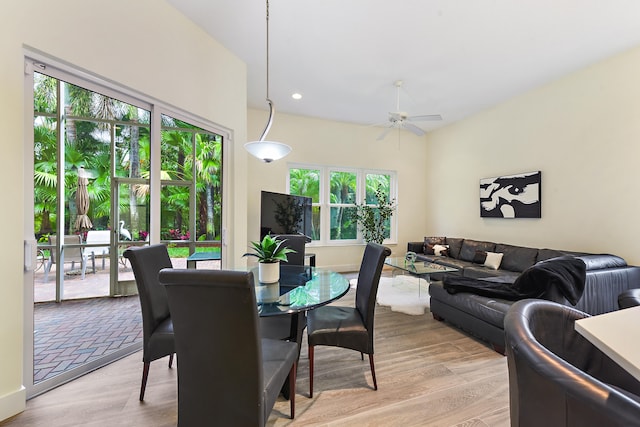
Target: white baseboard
[(12, 403)]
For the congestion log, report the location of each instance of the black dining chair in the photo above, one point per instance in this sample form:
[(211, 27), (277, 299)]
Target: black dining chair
[(350, 327), (296, 242), (157, 328), (227, 374), (286, 326)]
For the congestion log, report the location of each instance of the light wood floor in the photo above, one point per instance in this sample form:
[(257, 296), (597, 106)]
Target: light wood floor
[(429, 374)]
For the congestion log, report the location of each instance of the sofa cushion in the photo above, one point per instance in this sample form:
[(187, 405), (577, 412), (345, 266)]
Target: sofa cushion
[(469, 248), (545, 254), (493, 260), (455, 244), (491, 310), (479, 257), (516, 258)]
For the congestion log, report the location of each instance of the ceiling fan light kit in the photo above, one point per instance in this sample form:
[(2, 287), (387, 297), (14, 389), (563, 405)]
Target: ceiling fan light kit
[(402, 120), (267, 151)]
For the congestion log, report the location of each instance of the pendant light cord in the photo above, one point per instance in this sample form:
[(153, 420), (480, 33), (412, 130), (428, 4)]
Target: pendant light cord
[(272, 109), (267, 50)]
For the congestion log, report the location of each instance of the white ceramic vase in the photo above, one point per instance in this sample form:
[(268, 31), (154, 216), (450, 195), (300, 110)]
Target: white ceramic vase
[(268, 272)]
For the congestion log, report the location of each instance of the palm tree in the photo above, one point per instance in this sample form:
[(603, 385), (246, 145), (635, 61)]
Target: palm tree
[(343, 186)]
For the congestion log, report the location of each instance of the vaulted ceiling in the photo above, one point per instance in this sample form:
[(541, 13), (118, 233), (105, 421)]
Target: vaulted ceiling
[(455, 57)]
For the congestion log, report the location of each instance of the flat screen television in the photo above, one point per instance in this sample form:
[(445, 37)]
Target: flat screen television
[(285, 214)]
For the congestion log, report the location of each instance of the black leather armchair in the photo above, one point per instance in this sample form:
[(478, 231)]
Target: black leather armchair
[(227, 375), (157, 328), (557, 377), (629, 298)]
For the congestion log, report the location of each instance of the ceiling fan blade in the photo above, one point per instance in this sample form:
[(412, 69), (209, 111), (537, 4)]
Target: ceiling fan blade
[(413, 128), (383, 134), (426, 118)]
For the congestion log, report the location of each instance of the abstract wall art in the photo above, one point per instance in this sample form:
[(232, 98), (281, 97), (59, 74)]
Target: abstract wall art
[(511, 196)]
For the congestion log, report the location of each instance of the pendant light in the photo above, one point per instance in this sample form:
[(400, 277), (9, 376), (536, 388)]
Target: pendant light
[(267, 151)]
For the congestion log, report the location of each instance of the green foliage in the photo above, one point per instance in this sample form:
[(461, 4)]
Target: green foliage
[(270, 250), (373, 219), (94, 123)]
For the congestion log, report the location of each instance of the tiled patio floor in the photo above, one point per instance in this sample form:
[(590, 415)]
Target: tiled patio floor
[(71, 333), (88, 325)]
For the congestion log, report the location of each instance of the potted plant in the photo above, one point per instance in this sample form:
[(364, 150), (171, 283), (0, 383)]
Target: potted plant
[(270, 251), (372, 219)]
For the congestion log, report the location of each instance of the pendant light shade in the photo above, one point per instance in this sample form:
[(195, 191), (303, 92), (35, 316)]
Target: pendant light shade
[(267, 151)]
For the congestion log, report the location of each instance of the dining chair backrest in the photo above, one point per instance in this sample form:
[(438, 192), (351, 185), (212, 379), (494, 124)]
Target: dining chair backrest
[(368, 280), (215, 320), (146, 263), (296, 242)]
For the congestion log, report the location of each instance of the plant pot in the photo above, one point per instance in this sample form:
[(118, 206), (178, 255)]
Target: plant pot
[(268, 272)]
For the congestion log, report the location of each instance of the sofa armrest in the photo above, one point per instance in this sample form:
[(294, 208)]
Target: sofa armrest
[(416, 247)]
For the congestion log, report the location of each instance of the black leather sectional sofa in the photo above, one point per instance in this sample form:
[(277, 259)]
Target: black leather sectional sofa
[(607, 276)]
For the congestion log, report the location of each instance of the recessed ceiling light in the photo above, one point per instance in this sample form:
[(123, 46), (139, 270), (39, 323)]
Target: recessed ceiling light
[(296, 96)]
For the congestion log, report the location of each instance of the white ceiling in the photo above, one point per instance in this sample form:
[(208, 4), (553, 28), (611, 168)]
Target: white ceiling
[(456, 57)]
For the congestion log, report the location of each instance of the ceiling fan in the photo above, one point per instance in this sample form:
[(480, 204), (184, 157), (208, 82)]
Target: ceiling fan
[(402, 120)]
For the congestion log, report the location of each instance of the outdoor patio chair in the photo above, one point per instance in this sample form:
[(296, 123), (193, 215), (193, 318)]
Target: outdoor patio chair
[(157, 327), (350, 327), (96, 237), (70, 254)]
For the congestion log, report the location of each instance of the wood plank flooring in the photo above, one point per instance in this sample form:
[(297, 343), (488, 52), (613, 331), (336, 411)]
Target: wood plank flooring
[(429, 374)]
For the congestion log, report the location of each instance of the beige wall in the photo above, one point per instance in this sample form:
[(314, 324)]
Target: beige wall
[(323, 142), (582, 132), (142, 44)]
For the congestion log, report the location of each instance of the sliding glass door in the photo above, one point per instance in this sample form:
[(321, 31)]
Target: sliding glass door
[(93, 189)]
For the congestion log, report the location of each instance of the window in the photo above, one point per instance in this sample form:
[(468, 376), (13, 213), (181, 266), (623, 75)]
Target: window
[(335, 192), (191, 196)]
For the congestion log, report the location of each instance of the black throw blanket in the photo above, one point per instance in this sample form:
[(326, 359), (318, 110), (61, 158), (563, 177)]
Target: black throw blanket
[(568, 274)]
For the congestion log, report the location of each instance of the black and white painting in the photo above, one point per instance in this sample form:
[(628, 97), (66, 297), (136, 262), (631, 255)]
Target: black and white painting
[(512, 196)]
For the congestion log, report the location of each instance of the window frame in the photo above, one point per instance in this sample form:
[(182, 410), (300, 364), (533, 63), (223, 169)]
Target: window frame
[(325, 204)]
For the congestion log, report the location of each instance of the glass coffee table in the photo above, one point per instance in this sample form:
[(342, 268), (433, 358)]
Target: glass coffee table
[(420, 269)]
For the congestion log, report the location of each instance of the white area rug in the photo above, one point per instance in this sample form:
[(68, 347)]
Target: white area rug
[(401, 294)]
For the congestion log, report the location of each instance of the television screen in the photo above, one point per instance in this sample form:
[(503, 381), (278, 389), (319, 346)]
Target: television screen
[(285, 214)]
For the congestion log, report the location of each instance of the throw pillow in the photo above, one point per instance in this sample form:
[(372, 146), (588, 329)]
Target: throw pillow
[(440, 250), (493, 260), (480, 257), (429, 242)]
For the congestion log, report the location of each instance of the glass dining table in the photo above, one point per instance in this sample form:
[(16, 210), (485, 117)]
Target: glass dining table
[(300, 288)]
